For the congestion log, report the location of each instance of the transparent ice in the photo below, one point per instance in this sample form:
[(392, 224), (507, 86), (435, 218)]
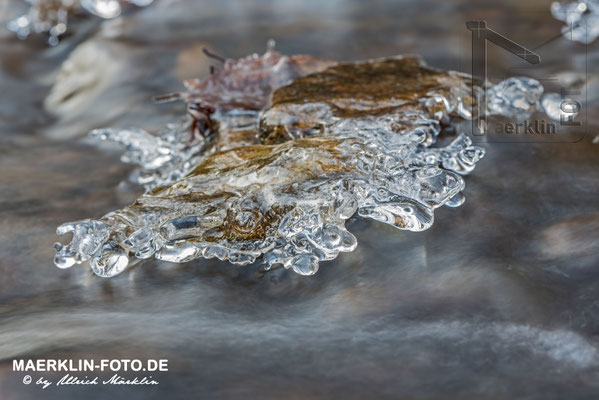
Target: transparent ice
[(581, 19), (287, 203), (168, 156), (558, 108), (515, 97), (164, 158)]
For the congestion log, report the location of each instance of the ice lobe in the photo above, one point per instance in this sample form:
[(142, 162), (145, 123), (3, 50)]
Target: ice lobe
[(376, 101), (286, 202), (163, 158), (349, 138), (280, 163), (581, 19), (516, 97)]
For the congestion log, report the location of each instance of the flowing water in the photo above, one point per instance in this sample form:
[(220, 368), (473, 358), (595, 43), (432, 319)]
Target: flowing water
[(497, 299)]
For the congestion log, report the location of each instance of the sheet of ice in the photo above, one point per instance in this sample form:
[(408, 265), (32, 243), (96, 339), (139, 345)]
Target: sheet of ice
[(288, 202)]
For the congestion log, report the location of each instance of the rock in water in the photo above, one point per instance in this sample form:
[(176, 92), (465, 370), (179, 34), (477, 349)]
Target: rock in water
[(286, 202), (324, 140)]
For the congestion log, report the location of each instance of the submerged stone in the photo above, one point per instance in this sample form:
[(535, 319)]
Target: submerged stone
[(290, 148), (272, 98), (286, 202), (393, 95)]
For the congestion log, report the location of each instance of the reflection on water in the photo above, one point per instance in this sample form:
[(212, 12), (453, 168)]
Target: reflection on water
[(497, 300)]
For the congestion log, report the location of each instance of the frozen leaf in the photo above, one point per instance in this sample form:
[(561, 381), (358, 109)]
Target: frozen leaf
[(290, 152)]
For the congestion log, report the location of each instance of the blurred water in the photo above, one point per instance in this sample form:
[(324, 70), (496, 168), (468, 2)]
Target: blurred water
[(499, 299)]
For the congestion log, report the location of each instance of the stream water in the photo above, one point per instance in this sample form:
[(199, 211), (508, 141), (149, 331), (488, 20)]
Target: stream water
[(498, 299)]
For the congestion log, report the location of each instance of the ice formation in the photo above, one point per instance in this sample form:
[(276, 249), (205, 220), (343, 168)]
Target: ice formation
[(519, 97), (286, 202), (516, 97), (581, 19), (50, 17), (558, 108), (278, 152), (224, 112)]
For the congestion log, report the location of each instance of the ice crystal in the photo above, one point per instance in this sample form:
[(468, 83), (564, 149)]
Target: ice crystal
[(163, 158), (50, 17), (558, 108), (276, 174), (581, 19), (515, 97)]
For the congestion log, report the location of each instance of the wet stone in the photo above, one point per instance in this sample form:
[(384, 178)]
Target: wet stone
[(278, 152)]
